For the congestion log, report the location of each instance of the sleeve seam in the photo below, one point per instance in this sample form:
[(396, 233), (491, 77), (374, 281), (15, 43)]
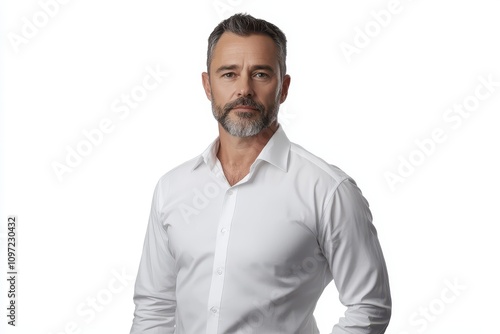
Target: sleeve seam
[(329, 199)]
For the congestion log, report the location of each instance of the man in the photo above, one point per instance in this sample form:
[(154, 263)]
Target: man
[(245, 237)]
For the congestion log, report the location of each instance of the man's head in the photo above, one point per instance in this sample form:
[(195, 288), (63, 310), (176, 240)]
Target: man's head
[(246, 80), (245, 25)]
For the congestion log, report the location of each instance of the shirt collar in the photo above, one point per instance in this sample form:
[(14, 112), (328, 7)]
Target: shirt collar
[(275, 152)]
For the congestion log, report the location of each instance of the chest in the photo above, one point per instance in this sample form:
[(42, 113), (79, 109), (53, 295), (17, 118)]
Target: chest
[(269, 227)]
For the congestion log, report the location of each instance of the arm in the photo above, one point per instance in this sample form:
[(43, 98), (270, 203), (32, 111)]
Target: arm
[(154, 296), (351, 247)]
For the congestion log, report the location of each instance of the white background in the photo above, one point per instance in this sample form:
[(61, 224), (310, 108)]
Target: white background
[(437, 228)]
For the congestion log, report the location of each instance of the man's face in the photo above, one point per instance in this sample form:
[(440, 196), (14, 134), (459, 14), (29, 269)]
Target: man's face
[(244, 83)]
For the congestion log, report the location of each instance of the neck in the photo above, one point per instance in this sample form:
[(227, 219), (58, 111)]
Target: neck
[(237, 154)]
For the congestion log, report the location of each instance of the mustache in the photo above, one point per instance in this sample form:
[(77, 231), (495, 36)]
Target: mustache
[(243, 101)]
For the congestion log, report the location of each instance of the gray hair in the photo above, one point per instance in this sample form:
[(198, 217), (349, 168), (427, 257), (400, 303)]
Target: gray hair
[(245, 25)]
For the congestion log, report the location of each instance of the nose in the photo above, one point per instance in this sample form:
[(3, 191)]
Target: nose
[(245, 86)]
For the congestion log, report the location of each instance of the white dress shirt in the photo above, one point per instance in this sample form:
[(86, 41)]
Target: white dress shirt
[(255, 257)]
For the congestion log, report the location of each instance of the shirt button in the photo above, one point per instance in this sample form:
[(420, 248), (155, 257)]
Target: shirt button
[(214, 309), (229, 192), (223, 230), (219, 271)]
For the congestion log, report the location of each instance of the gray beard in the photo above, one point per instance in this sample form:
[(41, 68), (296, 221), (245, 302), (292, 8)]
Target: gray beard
[(244, 126)]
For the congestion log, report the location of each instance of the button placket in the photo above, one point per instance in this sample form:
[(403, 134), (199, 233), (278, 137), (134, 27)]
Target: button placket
[(220, 255)]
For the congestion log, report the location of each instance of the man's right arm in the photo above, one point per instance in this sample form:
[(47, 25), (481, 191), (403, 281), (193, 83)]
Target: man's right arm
[(154, 296)]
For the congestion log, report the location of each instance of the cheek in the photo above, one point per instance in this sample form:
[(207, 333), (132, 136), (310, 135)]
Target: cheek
[(271, 91), (221, 94), (273, 97)]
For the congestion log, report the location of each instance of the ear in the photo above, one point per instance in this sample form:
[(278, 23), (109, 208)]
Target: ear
[(206, 85), (284, 88)]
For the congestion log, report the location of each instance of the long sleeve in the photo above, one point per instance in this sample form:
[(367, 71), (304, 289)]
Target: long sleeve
[(154, 296), (350, 244)]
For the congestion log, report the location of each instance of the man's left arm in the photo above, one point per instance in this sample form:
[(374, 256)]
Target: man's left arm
[(350, 244)]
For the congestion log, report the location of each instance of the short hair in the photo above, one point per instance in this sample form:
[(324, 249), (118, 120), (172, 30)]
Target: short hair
[(245, 25)]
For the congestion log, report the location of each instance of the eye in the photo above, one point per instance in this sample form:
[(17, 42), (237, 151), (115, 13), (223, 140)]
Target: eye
[(228, 75), (261, 75)]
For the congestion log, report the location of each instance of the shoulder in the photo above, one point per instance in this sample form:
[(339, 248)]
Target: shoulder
[(180, 172), (315, 166)]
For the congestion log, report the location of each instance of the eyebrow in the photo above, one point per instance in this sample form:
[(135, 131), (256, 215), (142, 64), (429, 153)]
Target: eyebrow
[(226, 68), (252, 68), (262, 67)]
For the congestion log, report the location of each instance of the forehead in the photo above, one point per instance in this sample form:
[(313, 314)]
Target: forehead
[(235, 49)]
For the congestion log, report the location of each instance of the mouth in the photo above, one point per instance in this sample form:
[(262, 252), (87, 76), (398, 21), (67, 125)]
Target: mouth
[(244, 108)]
